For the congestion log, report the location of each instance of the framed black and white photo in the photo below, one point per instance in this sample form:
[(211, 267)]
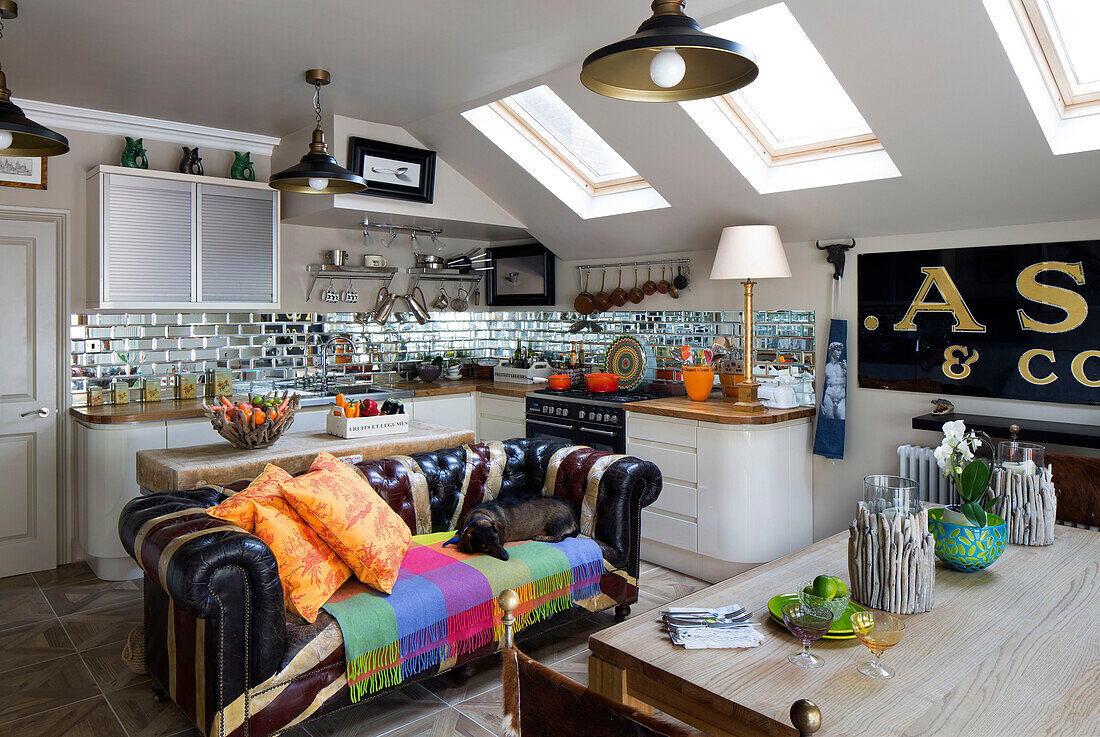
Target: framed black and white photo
[(521, 276), (392, 170), (28, 172)]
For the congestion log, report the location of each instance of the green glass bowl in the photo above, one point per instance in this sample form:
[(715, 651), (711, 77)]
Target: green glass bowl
[(966, 548), (837, 605)]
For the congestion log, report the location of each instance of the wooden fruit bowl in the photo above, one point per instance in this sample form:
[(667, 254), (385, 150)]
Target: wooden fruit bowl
[(247, 435)]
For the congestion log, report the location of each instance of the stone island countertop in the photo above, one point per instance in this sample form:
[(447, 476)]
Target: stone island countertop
[(219, 464)]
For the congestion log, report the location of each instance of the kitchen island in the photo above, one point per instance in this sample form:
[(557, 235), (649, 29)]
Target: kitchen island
[(221, 464), (737, 488)]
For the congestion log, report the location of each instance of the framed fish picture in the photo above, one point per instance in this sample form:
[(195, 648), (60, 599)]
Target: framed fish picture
[(28, 172)]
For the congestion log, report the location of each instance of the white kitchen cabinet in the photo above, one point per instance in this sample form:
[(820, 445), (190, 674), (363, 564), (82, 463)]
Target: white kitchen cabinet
[(168, 241), (452, 410), (734, 496), (105, 479), (500, 418)]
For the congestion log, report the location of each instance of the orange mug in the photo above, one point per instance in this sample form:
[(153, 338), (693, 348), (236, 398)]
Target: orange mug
[(698, 382)]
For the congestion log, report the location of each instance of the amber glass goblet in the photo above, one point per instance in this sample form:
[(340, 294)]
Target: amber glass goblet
[(879, 631)]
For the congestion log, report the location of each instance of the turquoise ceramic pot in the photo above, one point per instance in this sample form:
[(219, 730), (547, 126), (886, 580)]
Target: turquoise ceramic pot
[(967, 548)]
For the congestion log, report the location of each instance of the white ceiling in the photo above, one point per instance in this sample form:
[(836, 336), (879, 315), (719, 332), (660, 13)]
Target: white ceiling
[(930, 78)]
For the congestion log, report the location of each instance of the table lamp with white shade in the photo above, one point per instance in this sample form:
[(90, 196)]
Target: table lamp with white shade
[(748, 253)]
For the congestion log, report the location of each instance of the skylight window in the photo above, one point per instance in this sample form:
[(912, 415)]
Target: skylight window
[(542, 134), (796, 112), (1052, 47), (1062, 35)]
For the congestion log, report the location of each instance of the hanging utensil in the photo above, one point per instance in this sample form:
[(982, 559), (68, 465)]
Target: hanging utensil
[(618, 294), (672, 290), (650, 286), (603, 299), (459, 303), (635, 294), (443, 301), (584, 303), (476, 296), (418, 307), (681, 281), (350, 295), (662, 286)]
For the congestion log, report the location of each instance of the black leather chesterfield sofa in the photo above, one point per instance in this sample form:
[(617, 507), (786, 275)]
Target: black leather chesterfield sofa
[(218, 640)]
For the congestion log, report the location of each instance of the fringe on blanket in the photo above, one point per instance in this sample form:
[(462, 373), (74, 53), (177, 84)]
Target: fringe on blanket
[(385, 667)]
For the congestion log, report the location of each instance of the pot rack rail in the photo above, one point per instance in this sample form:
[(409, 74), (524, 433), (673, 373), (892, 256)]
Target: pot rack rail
[(403, 228), (631, 264), (328, 271)]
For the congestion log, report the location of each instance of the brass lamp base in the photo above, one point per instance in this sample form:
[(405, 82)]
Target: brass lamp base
[(747, 401)]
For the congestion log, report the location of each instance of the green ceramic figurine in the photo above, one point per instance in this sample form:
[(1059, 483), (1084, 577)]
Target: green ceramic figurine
[(133, 156), (242, 167)]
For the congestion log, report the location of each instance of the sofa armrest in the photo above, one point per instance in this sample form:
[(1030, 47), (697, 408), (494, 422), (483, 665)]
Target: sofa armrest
[(212, 570), (626, 486)]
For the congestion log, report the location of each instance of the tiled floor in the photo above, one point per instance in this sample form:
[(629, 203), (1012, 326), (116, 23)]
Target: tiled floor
[(61, 672)]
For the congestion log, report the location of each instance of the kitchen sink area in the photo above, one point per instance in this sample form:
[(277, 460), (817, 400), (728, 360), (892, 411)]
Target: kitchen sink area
[(314, 394)]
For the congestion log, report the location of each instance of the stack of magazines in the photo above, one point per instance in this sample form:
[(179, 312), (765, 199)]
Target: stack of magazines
[(724, 627)]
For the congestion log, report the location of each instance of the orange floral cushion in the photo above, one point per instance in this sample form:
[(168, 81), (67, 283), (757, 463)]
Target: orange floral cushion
[(350, 516), (308, 568)]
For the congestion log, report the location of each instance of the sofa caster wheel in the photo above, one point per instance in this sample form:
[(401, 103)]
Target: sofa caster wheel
[(159, 695), (622, 612), (464, 673)]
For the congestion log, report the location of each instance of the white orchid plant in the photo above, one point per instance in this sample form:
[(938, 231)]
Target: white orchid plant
[(957, 461)]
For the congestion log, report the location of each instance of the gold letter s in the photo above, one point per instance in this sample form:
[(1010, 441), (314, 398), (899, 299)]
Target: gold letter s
[(1074, 305), (1025, 367), (938, 277)]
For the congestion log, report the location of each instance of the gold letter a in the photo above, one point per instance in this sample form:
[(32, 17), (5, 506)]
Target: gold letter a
[(938, 277)]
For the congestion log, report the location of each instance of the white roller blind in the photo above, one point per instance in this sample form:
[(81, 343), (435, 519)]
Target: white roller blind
[(236, 244), (148, 254)]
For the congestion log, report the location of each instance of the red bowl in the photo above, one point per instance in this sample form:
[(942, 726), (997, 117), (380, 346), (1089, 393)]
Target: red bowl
[(601, 382), (559, 382)]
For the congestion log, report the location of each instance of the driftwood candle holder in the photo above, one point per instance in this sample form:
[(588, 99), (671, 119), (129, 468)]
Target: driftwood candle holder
[(891, 560), (1028, 503)]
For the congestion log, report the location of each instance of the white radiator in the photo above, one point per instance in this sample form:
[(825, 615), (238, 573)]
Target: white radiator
[(918, 463)]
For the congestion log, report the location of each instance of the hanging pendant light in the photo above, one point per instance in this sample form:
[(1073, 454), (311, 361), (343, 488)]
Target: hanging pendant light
[(317, 172), (19, 135), (669, 59)]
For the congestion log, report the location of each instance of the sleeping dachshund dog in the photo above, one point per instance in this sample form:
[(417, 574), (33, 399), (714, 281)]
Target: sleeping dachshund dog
[(489, 525)]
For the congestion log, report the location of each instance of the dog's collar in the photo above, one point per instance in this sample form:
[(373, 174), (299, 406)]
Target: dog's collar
[(458, 535)]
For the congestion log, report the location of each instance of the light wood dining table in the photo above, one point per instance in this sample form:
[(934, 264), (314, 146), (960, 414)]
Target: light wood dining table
[(1009, 651)]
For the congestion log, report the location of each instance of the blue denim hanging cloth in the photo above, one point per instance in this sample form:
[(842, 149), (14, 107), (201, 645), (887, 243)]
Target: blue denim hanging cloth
[(829, 440)]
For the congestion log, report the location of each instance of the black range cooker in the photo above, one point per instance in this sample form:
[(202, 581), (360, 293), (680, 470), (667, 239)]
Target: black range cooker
[(582, 417)]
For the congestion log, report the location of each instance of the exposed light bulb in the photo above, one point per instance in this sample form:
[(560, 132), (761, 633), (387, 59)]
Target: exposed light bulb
[(5, 139), (667, 68), (317, 184)]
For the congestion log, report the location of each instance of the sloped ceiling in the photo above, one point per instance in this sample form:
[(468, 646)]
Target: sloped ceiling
[(930, 77)]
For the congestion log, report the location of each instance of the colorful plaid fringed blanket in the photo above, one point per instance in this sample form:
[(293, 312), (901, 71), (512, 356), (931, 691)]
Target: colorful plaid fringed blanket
[(444, 604)]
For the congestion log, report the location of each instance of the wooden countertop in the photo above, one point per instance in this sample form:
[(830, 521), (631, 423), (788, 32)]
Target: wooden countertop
[(219, 464), (716, 409), (182, 409), (1009, 650)]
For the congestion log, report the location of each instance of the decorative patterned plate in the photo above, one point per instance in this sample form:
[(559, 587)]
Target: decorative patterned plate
[(841, 629), (626, 357)]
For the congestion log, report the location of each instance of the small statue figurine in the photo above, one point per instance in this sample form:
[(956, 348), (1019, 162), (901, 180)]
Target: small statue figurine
[(191, 163), (242, 167), (133, 156), (942, 407)]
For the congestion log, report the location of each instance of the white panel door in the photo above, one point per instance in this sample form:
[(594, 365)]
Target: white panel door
[(28, 393)]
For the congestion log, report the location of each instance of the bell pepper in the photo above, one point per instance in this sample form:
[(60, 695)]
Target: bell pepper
[(369, 408)]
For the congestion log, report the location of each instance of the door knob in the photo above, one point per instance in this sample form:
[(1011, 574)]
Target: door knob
[(41, 412)]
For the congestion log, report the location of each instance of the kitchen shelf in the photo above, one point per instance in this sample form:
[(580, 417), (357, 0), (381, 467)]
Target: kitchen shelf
[(327, 271), (444, 275), (1034, 431)]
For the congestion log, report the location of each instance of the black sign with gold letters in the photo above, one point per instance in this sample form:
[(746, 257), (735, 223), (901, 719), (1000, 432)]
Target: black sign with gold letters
[(1005, 321)]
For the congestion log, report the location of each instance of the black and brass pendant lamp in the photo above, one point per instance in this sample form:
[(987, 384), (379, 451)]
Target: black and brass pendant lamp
[(317, 172), (669, 59), (19, 135)]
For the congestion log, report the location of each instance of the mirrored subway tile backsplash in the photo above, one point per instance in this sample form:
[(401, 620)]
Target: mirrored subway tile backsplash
[(261, 345)]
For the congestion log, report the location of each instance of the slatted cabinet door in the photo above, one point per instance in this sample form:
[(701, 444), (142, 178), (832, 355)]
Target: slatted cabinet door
[(148, 249), (238, 251)]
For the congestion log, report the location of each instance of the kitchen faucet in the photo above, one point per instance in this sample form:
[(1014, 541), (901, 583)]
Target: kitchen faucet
[(330, 343)]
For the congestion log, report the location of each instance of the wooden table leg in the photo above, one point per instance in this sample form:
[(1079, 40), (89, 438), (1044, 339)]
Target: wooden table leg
[(611, 681)]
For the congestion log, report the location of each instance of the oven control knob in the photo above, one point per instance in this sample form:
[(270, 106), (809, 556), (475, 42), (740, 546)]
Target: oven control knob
[(581, 414), (547, 410), (598, 417), (614, 419), (561, 411)]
